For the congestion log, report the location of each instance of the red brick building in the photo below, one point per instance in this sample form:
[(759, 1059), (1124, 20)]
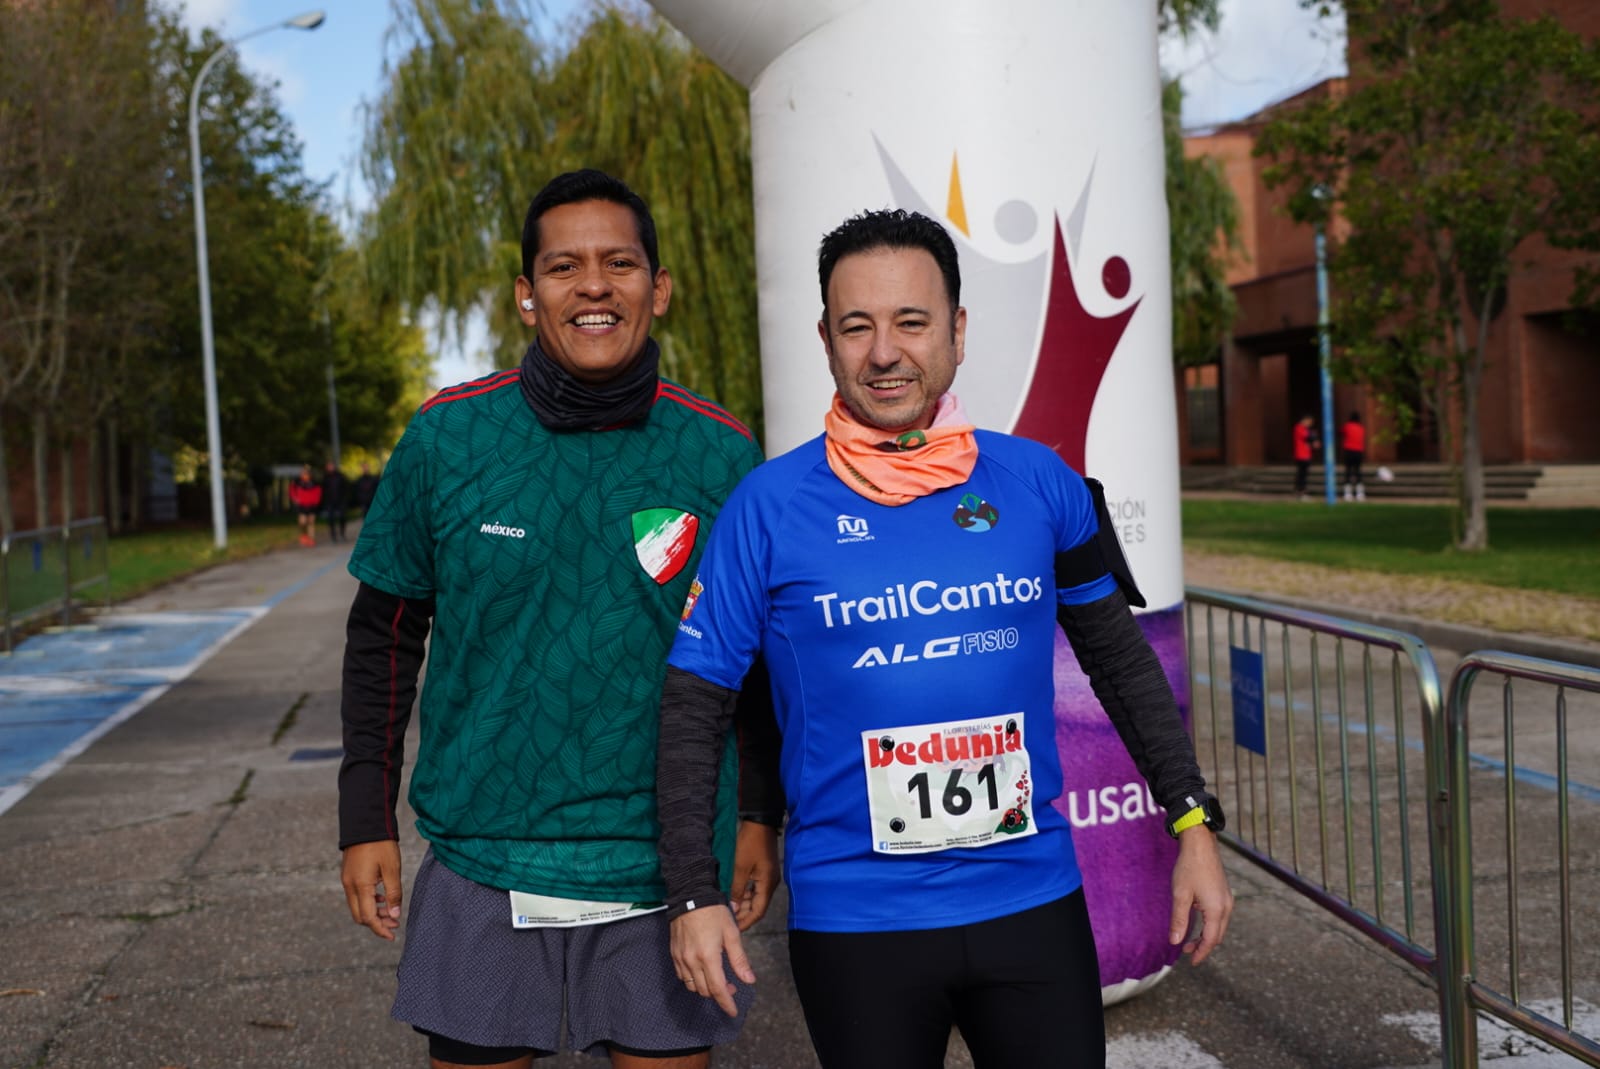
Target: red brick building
[(1543, 374)]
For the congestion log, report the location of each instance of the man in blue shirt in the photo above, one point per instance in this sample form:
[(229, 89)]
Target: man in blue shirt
[(903, 576)]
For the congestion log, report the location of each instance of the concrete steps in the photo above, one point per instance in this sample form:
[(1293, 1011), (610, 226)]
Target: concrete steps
[(1554, 484), (1567, 484)]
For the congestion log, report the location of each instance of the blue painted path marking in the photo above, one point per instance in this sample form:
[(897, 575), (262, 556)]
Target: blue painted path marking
[(295, 588), (60, 691)]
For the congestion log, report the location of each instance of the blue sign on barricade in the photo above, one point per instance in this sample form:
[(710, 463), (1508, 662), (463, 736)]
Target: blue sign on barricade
[(1249, 676)]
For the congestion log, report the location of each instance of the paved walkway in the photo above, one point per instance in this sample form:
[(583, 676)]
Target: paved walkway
[(169, 892)]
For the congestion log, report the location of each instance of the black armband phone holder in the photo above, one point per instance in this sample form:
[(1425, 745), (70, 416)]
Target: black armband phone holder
[(1096, 556)]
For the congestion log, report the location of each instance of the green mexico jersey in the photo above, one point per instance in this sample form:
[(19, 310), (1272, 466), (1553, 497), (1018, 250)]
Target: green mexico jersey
[(559, 563)]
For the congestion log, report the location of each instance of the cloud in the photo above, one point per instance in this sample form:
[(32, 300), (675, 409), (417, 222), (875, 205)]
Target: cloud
[(213, 14), (1264, 51)]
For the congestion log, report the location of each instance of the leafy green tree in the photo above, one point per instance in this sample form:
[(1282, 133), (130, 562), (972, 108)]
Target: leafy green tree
[(98, 306), (380, 360), (79, 156), (1464, 134)]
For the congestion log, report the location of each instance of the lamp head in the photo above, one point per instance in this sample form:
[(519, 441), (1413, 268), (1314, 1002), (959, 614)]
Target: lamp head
[(308, 21)]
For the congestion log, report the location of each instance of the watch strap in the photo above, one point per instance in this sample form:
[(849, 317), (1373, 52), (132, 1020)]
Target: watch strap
[(1195, 816)]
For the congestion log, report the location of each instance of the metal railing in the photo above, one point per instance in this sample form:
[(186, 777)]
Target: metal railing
[(1322, 791), (1338, 819), (1541, 871), (45, 571)]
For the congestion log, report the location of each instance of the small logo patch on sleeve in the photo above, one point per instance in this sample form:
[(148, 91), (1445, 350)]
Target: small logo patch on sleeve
[(695, 590), (663, 539)]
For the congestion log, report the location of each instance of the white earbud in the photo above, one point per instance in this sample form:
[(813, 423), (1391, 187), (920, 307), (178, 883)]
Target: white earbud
[(527, 304)]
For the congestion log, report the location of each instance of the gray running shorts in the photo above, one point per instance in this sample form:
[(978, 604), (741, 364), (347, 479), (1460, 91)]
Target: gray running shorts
[(466, 973)]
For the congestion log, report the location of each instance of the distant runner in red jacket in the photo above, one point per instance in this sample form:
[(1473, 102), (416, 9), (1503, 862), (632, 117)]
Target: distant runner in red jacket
[(1303, 435), (306, 496), (1353, 441)]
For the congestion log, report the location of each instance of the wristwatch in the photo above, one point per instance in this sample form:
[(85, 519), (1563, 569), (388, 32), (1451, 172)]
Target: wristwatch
[(1204, 810)]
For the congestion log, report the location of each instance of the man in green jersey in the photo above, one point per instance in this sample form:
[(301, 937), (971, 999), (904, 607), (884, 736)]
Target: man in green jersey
[(544, 523)]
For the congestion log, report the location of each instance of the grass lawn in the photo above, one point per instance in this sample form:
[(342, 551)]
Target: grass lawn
[(141, 562), (1530, 548)]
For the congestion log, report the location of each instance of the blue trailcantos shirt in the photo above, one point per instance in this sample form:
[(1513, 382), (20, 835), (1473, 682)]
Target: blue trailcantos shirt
[(911, 655)]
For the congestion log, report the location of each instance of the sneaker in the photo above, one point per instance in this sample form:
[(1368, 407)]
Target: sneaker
[(1361, 493)]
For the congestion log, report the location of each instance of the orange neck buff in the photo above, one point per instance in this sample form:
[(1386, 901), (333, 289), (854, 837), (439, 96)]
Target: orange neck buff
[(893, 469)]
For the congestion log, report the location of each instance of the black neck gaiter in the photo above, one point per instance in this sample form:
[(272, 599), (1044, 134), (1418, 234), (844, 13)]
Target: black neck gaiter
[(563, 403)]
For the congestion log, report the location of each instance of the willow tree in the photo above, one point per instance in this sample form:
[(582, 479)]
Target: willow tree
[(453, 149)]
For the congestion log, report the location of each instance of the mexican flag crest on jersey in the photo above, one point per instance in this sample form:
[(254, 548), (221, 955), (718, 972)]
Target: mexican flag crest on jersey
[(663, 539)]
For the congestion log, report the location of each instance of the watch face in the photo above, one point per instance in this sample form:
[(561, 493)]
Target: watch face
[(1214, 815)]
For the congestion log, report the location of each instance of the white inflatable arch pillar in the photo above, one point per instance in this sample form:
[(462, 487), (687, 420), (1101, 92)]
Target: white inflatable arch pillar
[(1032, 129)]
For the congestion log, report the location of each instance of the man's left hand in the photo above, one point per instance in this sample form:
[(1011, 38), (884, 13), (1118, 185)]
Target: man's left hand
[(700, 940), (755, 872), (1199, 886)]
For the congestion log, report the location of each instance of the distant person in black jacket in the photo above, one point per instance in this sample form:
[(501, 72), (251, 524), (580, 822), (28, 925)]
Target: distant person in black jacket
[(335, 493), (366, 488)]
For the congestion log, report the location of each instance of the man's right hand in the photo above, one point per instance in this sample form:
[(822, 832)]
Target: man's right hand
[(699, 939), (371, 877)]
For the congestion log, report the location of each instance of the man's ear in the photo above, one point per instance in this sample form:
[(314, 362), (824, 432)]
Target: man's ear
[(523, 291), (663, 293), (959, 328)]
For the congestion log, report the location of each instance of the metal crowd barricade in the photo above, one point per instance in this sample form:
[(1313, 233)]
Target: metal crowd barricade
[(46, 570), (1313, 727), (1542, 871)]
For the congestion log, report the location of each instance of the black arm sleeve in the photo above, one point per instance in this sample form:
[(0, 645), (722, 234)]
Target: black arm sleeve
[(385, 641), (1132, 687), (695, 716), (760, 788)]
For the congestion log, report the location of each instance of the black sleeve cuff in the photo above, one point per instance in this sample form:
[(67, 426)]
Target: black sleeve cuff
[(385, 643), (685, 905), (695, 717)]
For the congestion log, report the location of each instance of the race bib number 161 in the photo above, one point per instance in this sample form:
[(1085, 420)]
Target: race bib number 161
[(964, 783)]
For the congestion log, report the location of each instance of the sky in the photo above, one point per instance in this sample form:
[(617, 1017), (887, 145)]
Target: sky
[(1265, 50)]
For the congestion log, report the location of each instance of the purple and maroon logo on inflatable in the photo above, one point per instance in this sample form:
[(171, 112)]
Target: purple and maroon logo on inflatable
[(1035, 353)]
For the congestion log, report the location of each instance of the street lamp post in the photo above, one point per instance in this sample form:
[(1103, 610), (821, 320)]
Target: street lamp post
[(219, 519), (1323, 193)]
